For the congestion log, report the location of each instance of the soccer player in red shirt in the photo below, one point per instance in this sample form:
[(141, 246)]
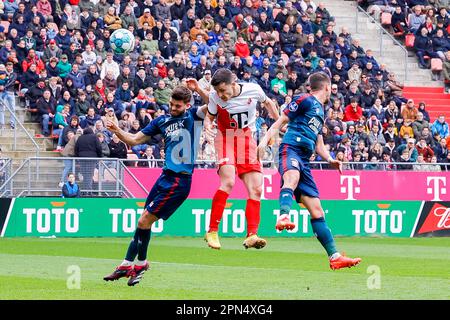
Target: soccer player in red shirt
[(233, 106)]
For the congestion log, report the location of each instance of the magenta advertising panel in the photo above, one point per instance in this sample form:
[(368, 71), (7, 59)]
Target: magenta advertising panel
[(351, 185)]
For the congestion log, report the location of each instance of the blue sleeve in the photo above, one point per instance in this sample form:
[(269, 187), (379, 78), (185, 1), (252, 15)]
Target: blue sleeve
[(193, 111), (153, 128), (296, 107)]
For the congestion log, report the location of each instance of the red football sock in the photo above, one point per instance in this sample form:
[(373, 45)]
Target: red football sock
[(253, 217), (218, 205)]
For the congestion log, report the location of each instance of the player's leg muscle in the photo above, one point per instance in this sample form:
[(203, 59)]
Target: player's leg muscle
[(253, 183), (291, 179), (146, 220), (313, 205), (227, 175)]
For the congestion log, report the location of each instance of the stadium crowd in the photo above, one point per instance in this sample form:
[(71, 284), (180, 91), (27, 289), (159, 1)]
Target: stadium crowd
[(56, 55), (424, 25)]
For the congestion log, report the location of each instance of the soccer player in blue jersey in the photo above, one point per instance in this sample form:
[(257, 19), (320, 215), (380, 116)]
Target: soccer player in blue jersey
[(173, 186), (304, 117)]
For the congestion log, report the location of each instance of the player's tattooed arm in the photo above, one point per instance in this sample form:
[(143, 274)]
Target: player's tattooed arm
[(273, 131), (126, 137), (322, 151), (271, 108)]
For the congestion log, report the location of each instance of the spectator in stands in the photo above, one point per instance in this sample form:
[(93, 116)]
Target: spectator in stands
[(424, 150), (411, 151), (70, 189), (441, 151), (399, 22), (46, 107), (416, 19), (150, 160), (353, 112), (419, 124), (118, 148), (440, 126), (423, 47), (91, 118), (410, 111), (88, 146)]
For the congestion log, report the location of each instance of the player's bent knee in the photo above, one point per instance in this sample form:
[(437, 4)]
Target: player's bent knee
[(146, 220), (256, 192), (290, 179), (227, 184)]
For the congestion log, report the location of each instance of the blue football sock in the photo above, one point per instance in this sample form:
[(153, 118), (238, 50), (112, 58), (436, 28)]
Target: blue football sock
[(144, 239), (286, 198), (323, 234), (132, 248)]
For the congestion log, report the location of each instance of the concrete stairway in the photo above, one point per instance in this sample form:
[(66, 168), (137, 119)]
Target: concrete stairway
[(387, 51), (17, 145)]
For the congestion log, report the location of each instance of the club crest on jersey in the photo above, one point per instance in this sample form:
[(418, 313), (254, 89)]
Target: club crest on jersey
[(294, 163), (293, 106), (249, 100)]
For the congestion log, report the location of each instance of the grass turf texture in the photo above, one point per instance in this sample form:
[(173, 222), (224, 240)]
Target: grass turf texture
[(184, 268)]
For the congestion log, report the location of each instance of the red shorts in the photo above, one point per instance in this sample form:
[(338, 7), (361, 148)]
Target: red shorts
[(237, 148)]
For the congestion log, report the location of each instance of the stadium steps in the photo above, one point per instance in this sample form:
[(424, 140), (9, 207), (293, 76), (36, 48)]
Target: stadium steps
[(437, 102), (368, 33), (24, 146)]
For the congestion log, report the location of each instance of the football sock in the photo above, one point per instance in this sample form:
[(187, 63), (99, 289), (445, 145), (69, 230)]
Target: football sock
[(253, 217), (144, 239), (218, 205), (132, 248), (140, 263), (323, 234), (126, 263), (286, 198)]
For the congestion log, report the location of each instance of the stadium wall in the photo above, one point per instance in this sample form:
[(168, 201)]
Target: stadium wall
[(103, 217), (352, 185)]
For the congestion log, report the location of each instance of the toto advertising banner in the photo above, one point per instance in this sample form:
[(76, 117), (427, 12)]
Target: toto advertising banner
[(95, 217), (352, 185)]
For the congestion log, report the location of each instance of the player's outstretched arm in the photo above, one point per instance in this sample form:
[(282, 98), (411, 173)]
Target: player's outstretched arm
[(274, 130), (192, 85), (126, 137), (208, 124), (324, 154), (271, 108)]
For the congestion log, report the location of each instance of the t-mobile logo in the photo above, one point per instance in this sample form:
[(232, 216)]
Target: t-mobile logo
[(267, 185), (434, 188), (352, 187)]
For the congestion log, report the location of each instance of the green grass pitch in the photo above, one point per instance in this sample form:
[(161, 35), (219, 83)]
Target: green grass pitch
[(184, 268)]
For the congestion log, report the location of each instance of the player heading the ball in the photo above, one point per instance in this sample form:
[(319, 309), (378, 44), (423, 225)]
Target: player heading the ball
[(232, 106)]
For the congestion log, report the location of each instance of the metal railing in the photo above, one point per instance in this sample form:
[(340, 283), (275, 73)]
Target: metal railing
[(111, 177), (18, 122), (44, 176), (382, 32), (5, 174)]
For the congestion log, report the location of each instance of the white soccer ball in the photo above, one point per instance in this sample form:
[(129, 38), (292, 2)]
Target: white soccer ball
[(122, 41)]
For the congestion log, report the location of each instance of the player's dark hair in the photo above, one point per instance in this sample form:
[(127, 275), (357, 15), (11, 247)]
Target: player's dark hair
[(181, 93), (318, 81), (222, 75)]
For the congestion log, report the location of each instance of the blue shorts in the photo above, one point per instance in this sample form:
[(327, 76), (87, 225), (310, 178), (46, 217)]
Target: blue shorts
[(168, 194), (294, 158)]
